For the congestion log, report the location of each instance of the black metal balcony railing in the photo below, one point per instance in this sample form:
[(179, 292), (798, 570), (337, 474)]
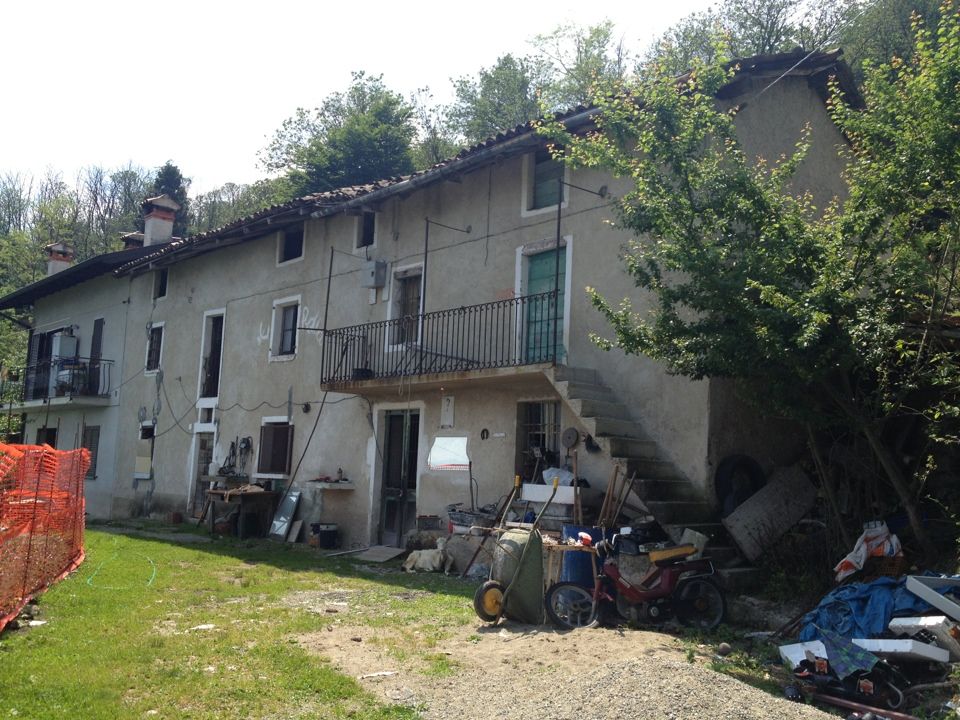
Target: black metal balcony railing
[(63, 377), (503, 333)]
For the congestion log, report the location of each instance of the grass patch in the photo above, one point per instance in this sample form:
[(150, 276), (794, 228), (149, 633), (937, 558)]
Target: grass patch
[(754, 662), (128, 634)]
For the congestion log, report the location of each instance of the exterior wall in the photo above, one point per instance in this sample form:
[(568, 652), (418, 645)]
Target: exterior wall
[(245, 282), (104, 297)]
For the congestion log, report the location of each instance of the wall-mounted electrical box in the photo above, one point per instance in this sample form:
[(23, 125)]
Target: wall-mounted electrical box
[(374, 274)]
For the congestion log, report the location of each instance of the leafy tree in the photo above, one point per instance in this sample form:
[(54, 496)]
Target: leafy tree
[(578, 59), (230, 202), (356, 136), (837, 314), (754, 27), (436, 140), (499, 98)]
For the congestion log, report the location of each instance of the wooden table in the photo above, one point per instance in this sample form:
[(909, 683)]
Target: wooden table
[(260, 503)]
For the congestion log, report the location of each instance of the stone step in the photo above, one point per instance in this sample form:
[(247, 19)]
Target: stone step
[(586, 408), (741, 580), (724, 556), (610, 427), (646, 467), (680, 512), (713, 530), (666, 488), (631, 448), (587, 391), (576, 374)]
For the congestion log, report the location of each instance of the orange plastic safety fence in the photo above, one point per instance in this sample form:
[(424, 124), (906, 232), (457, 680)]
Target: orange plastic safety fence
[(41, 520)]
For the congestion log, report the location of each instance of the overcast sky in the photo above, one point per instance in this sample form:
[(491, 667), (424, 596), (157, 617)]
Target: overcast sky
[(205, 83)]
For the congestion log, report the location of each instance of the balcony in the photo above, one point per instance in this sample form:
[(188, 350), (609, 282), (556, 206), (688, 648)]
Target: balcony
[(63, 381), (485, 338)]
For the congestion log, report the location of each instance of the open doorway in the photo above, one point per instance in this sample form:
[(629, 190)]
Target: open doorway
[(398, 500)]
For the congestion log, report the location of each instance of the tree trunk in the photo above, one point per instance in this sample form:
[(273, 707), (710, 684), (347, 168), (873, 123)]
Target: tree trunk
[(902, 487), (891, 468)]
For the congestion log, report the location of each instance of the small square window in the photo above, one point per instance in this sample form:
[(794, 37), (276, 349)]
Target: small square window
[(154, 348), (286, 315), (159, 284), (547, 172), (291, 244), (276, 448), (367, 229)]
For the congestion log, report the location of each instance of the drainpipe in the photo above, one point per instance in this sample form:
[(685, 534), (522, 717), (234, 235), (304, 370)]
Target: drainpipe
[(556, 272)]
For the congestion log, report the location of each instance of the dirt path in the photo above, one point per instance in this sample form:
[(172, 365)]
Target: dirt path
[(519, 671)]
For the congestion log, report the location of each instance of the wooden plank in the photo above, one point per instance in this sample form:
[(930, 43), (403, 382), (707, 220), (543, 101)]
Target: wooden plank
[(294, 531), (380, 553)]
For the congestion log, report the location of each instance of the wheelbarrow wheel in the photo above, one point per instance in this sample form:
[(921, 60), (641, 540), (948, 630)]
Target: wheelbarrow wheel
[(488, 600), (571, 606)]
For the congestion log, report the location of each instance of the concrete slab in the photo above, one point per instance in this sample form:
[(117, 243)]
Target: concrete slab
[(764, 517)]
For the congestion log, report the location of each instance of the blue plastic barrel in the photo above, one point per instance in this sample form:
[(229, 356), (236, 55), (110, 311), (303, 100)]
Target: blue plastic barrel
[(577, 566)]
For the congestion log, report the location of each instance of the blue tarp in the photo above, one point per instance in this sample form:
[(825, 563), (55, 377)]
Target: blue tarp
[(862, 610)]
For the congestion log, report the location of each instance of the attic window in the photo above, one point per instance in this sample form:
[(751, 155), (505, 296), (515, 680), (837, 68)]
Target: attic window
[(154, 348), (291, 244), (367, 229), (160, 284)]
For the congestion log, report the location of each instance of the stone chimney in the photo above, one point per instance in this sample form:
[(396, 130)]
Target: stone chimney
[(158, 216), (60, 256)]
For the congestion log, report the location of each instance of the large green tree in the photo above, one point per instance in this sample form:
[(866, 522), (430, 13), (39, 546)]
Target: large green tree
[(170, 181), (838, 314), (353, 137)]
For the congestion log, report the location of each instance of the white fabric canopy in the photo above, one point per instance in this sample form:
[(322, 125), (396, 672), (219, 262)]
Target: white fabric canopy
[(449, 453)]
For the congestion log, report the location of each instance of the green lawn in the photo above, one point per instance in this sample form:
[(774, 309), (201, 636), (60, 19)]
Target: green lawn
[(119, 644)]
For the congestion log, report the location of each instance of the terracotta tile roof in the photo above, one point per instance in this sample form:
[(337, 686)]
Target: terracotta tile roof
[(818, 66)]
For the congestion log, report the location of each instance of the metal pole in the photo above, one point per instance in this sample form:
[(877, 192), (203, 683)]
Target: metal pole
[(556, 274), (326, 312), (423, 287)]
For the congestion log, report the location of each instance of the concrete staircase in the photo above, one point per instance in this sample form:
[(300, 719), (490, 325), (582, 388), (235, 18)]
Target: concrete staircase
[(668, 496)]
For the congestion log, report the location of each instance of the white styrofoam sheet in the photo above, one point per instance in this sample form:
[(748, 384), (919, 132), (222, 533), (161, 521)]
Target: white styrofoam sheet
[(541, 493), (941, 627), (792, 655), (924, 588)]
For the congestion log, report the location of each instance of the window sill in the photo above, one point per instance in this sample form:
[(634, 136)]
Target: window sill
[(150, 373), (291, 261), (271, 476), (282, 358), (532, 212)]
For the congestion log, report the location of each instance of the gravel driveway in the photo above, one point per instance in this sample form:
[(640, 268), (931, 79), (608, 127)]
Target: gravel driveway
[(518, 671)]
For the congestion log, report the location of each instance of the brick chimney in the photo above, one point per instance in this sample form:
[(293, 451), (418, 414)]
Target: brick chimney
[(60, 256), (158, 216)]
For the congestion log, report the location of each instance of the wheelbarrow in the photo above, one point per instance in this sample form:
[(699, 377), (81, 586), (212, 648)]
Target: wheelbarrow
[(515, 585)]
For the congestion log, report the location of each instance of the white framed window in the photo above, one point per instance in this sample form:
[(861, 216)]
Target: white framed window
[(290, 244), (406, 305), (540, 189), (160, 278), (366, 230), (91, 441), (276, 447), (154, 356), (284, 332), (211, 357)]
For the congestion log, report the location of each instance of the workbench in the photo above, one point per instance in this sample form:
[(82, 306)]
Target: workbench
[(261, 503)]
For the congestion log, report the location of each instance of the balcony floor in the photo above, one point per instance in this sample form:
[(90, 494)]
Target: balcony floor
[(60, 401), (500, 377)]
